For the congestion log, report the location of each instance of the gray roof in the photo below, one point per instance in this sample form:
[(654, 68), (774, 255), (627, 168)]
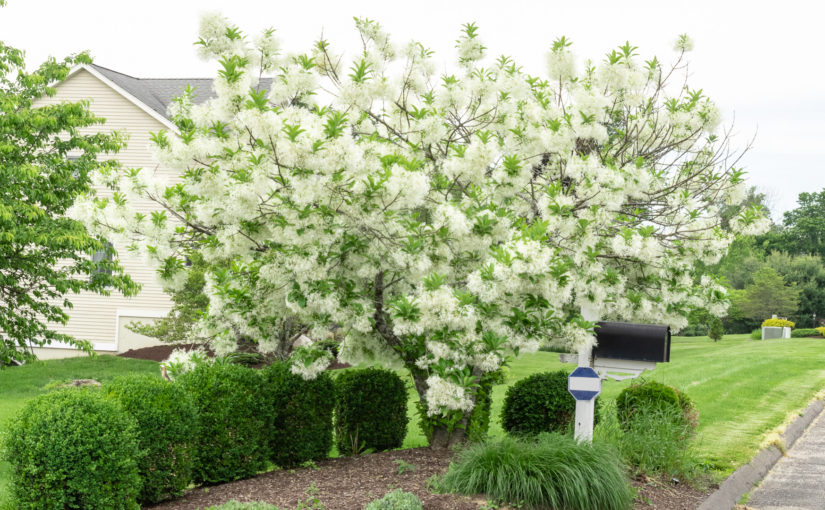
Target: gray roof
[(157, 93)]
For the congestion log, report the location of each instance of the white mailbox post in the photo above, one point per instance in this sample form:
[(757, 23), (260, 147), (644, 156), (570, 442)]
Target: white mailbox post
[(585, 385)]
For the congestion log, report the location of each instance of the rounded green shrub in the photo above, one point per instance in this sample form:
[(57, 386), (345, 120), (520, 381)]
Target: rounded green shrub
[(544, 471), (540, 403), (651, 396), (396, 500), (370, 410), (73, 448), (234, 418), (301, 427), (167, 428)]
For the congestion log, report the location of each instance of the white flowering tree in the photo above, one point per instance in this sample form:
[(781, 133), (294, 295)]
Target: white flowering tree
[(442, 222)]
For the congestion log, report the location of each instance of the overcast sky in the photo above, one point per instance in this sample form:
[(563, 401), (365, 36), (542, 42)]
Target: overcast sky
[(761, 62)]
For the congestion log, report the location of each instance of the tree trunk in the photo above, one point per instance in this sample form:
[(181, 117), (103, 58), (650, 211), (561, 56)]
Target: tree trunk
[(440, 436)]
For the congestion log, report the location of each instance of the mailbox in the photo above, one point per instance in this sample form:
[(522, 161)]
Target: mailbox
[(638, 342)]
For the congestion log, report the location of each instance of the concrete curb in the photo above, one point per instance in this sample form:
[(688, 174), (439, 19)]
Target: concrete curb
[(743, 479)]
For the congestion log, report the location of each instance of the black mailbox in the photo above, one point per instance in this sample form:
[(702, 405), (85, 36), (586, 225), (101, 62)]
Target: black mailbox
[(638, 342)]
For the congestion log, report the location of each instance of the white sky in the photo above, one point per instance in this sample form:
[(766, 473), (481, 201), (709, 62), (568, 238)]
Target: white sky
[(760, 61)]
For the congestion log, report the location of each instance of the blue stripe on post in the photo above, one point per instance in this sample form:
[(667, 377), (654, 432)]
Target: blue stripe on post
[(584, 383)]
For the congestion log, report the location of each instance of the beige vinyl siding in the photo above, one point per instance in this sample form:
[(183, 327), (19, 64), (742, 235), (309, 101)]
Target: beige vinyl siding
[(100, 319)]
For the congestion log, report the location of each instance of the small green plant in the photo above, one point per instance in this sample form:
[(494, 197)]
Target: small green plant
[(550, 470), (756, 334), (73, 448), (396, 500), (656, 441), (716, 330), (370, 410), (539, 403), (404, 467)]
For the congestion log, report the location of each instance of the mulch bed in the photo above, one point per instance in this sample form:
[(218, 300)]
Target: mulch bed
[(162, 352), (349, 483), (346, 483)]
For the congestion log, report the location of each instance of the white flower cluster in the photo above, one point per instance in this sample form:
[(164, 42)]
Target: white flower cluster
[(181, 361), (441, 223)]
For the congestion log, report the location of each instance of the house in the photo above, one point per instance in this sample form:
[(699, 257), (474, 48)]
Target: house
[(135, 107)]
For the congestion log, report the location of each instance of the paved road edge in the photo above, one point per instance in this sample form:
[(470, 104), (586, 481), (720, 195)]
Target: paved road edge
[(743, 479)]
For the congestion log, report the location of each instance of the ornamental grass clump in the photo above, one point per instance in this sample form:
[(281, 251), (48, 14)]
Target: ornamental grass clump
[(549, 471), (167, 430), (73, 448)]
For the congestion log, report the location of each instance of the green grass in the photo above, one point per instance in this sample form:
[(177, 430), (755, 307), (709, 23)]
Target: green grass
[(743, 389), (19, 384)]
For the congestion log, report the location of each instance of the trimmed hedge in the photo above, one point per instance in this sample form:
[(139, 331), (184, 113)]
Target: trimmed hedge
[(540, 403), (232, 405), (804, 333), (370, 410), (73, 448), (652, 395), (301, 415), (167, 427)]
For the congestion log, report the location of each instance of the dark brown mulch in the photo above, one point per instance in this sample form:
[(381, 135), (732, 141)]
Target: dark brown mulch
[(162, 352), (345, 483), (348, 483), (665, 494)]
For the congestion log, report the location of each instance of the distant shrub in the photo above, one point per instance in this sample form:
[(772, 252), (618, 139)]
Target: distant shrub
[(716, 329), (396, 500), (234, 418), (777, 323), (756, 334), (370, 410), (652, 395), (539, 403), (804, 332), (545, 471), (73, 448), (821, 331), (167, 429), (301, 427)]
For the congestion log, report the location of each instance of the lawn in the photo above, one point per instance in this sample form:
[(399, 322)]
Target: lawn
[(19, 384), (744, 389)]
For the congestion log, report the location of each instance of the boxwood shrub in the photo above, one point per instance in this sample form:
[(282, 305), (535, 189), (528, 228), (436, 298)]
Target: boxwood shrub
[(301, 415), (73, 448), (652, 395), (370, 410), (167, 428), (540, 403), (234, 418)]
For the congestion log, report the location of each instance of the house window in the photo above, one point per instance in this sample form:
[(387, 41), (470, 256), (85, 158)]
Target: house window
[(101, 259)]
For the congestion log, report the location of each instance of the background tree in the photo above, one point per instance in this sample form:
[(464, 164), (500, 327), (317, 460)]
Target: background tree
[(444, 223), (804, 226), (768, 295), (807, 274), (45, 163)]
